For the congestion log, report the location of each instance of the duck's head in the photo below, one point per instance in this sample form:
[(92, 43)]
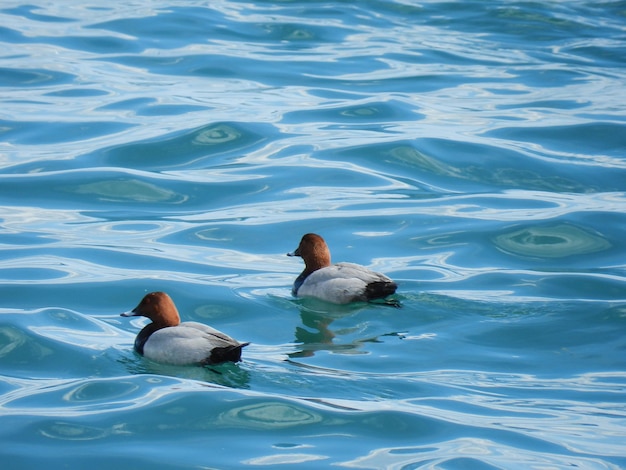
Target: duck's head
[(158, 307), (314, 251)]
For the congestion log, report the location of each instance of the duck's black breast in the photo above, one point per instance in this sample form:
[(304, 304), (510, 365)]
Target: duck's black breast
[(298, 283), (143, 336)]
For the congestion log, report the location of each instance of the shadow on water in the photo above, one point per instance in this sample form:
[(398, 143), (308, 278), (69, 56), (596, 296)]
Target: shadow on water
[(227, 374)]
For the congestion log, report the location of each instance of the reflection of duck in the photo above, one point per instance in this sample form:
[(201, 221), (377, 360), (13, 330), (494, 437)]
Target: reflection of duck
[(339, 283), (317, 333), (169, 341), (321, 333), (316, 336)]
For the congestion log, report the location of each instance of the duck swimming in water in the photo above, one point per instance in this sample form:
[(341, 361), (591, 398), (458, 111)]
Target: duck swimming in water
[(339, 283), (169, 341)]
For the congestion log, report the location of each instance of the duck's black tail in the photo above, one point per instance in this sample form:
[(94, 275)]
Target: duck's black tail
[(226, 354), (381, 289)]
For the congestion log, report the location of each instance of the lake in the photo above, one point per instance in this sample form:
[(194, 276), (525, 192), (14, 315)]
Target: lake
[(473, 151)]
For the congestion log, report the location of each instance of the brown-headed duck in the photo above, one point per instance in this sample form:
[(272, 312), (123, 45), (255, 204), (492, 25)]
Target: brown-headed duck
[(169, 341), (339, 283)]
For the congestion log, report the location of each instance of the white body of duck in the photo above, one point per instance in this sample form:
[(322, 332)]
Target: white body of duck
[(339, 283), (169, 341)]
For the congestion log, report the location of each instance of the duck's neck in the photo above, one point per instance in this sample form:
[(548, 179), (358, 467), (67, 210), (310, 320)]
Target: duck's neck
[(310, 266), (321, 259)]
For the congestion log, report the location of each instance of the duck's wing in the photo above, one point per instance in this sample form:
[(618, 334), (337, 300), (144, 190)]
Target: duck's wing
[(342, 283), (350, 270), (188, 343), (339, 283), (210, 331)]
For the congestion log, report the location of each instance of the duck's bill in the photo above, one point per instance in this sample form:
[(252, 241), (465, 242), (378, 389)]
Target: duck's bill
[(130, 313)]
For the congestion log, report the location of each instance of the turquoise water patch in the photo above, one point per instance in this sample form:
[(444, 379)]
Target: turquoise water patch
[(555, 241), (128, 190), (191, 149), (40, 133)]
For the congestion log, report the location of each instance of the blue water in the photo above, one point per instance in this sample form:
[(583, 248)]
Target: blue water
[(473, 151)]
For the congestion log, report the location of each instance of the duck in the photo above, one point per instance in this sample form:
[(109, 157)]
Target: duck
[(168, 341), (339, 283)]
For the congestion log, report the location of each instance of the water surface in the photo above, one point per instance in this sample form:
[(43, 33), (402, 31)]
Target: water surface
[(473, 151)]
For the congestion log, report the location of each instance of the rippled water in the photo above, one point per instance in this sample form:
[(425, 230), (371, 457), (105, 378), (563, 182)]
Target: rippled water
[(473, 151)]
